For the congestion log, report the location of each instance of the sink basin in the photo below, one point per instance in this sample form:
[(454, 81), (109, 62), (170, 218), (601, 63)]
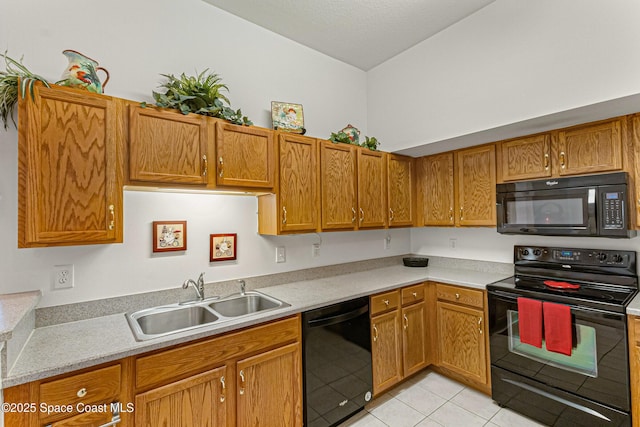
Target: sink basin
[(170, 319), (240, 305)]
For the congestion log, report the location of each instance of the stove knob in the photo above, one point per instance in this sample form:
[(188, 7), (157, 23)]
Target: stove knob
[(525, 252), (617, 258), (602, 257), (537, 252)]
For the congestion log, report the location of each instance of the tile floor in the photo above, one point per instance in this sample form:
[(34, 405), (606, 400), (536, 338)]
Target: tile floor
[(432, 400)]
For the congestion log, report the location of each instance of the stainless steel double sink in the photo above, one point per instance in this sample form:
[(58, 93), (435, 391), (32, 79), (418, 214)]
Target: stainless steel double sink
[(169, 319)]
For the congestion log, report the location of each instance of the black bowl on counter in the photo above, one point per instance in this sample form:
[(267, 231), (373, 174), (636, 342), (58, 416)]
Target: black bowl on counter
[(415, 261)]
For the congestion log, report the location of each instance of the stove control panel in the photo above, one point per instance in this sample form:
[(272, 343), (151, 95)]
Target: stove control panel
[(580, 256)]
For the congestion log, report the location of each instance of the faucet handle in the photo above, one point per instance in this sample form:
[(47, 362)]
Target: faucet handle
[(201, 279), (242, 285)]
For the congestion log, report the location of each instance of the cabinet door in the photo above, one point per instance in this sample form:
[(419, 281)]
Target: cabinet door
[(270, 388), (338, 181), (526, 158), (298, 189), (69, 169), (437, 188), (200, 400), (167, 146), (590, 149), (461, 340), (414, 338), (385, 351), (400, 190), (372, 189), (245, 156), (476, 186)]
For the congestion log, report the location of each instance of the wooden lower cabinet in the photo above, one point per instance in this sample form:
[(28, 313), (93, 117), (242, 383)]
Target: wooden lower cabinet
[(199, 400), (398, 336), (461, 335), (633, 325)]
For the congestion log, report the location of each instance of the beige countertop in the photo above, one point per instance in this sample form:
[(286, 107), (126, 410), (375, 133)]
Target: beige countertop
[(634, 306), (65, 347), (13, 308)]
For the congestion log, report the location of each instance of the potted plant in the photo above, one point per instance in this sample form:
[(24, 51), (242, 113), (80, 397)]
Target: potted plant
[(15, 77), (200, 94)]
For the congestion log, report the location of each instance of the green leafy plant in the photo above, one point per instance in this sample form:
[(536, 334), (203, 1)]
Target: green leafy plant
[(200, 94), (15, 77), (342, 138)]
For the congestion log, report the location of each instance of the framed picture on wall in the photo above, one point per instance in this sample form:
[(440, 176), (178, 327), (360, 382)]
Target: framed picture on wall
[(169, 236), (223, 247), (287, 117)]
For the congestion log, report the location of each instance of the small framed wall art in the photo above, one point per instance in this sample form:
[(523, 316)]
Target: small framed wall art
[(287, 117), (223, 247), (169, 236)]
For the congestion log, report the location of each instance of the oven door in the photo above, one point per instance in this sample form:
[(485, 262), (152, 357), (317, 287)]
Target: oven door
[(560, 212), (596, 371)]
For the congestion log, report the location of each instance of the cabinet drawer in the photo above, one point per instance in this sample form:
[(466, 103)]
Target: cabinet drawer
[(384, 302), (101, 385), (412, 294), (460, 295)]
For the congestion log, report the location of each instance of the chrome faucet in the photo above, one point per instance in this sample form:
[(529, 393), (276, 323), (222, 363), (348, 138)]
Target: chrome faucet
[(197, 286), (242, 286)]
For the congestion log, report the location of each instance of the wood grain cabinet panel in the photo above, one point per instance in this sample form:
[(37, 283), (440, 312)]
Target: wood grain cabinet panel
[(244, 156), (525, 158), (69, 169), (414, 338), (436, 187), (167, 146), (476, 186), (590, 149), (372, 189), (338, 182), (633, 323), (200, 400), (401, 190), (386, 347)]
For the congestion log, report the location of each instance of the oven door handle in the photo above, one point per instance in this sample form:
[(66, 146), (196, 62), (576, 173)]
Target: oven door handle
[(332, 320)]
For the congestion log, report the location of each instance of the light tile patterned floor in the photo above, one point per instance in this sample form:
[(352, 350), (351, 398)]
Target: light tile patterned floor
[(432, 400)]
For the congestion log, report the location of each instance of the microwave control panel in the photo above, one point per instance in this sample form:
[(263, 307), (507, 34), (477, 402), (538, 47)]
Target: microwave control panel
[(613, 216)]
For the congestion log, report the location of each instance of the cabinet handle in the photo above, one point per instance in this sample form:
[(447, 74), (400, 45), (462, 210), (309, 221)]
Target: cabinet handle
[(457, 295), (562, 156), (82, 392), (284, 215), (112, 212), (221, 162), (353, 218), (386, 302), (241, 382), (461, 213), (451, 215), (205, 165), (223, 390), (480, 325), (361, 215), (546, 161), (390, 214), (415, 294), (375, 333), (406, 321)]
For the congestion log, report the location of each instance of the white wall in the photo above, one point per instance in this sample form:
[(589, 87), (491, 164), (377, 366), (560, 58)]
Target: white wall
[(511, 61), (136, 41)]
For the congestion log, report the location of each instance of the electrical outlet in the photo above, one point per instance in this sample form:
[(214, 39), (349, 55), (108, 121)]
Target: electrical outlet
[(62, 276), (315, 250), (387, 242), (453, 243), (281, 254)]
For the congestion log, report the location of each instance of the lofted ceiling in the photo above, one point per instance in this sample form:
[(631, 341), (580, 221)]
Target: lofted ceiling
[(363, 33)]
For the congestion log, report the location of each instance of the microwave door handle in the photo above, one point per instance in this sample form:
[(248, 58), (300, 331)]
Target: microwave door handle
[(592, 225)]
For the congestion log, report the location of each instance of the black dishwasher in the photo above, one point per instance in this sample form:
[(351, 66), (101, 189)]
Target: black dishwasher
[(336, 345)]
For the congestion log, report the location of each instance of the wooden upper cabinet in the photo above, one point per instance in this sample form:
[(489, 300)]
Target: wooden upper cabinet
[(436, 187), (295, 206), (400, 190), (372, 189), (244, 156), (167, 146), (476, 186), (525, 158), (590, 149), (69, 169), (338, 182)]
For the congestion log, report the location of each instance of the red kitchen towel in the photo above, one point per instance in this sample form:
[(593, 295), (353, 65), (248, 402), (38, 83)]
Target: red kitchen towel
[(558, 334), (530, 321)]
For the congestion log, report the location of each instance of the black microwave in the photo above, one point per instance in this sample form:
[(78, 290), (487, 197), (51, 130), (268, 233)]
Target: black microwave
[(593, 205)]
